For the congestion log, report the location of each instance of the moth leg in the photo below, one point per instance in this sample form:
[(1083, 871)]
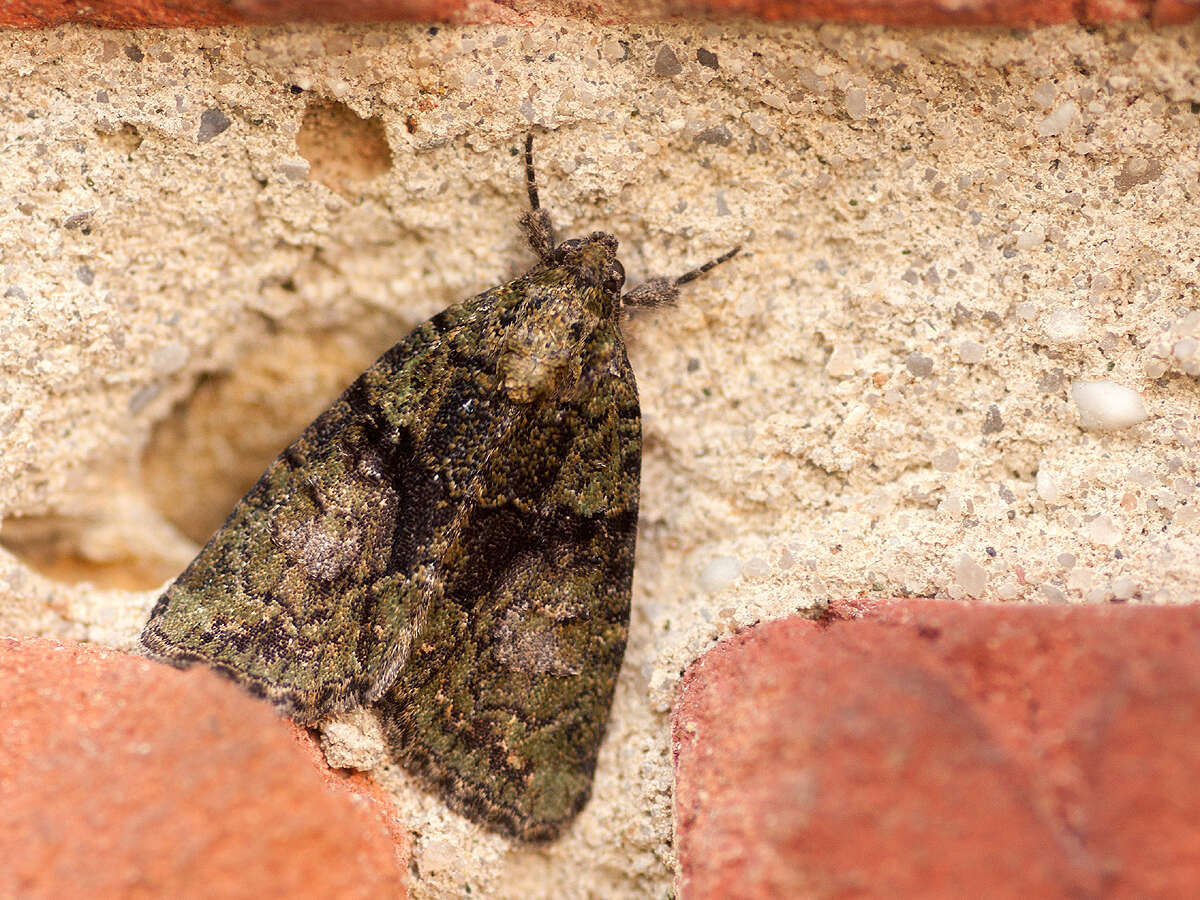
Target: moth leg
[(536, 223), (665, 291)]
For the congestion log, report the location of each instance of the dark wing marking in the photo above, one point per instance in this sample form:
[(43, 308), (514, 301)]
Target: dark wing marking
[(310, 592), (506, 694)]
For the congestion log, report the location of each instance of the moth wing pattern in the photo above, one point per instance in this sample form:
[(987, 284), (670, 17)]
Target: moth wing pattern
[(310, 591), (506, 696)]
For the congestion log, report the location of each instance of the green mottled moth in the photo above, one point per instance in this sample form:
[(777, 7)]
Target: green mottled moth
[(452, 543)]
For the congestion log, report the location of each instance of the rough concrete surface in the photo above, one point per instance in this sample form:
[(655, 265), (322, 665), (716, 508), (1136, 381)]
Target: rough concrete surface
[(206, 234)]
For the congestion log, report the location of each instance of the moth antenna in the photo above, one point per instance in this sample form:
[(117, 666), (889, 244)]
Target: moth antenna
[(708, 266), (536, 223), (665, 291), (530, 178)]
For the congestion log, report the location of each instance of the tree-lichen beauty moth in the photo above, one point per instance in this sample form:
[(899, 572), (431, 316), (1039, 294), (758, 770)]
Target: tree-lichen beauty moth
[(452, 543)]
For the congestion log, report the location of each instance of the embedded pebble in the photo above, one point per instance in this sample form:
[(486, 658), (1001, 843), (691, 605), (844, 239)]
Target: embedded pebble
[(856, 103), (1052, 594), (945, 460), (1105, 405), (1124, 587), (971, 576), (1045, 93), (919, 365), (1058, 121), (717, 135), (1031, 237), (1046, 488), (1008, 591), (212, 123), (78, 220), (353, 740), (993, 422), (144, 396), (970, 352), (721, 572), (667, 63), (294, 169), (168, 358), (1102, 531), (1065, 326), (952, 505), (1177, 348)]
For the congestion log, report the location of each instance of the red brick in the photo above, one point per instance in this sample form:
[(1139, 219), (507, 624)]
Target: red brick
[(206, 13), (199, 13), (123, 778), (118, 13), (944, 750), (907, 12), (1175, 12)]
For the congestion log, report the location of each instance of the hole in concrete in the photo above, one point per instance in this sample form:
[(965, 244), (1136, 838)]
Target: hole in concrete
[(123, 139), (342, 148), (74, 550), (212, 448)]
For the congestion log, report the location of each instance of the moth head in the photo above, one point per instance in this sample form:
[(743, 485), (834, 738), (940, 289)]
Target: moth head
[(594, 268)]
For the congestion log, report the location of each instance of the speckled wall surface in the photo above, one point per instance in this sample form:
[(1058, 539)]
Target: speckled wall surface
[(206, 234)]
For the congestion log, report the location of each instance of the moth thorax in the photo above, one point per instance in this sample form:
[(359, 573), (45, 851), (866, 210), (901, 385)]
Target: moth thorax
[(531, 371), (539, 353)]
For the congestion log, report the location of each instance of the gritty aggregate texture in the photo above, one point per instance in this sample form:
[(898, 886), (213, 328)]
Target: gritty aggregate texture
[(207, 234)]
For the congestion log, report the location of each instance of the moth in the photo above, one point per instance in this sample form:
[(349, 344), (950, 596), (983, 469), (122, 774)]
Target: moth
[(452, 543)]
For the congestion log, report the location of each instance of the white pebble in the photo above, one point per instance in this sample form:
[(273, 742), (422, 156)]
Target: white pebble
[(1101, 530), (945, 460), (1033, 236), (169, 358), (970, 352), (856, 103), (721, 572), (1057, 121), (1124, 587), (1107, 405), (294, 169), (970, 575), (1045, 93), (1156, 368), (1065, 326), (1052, 594), (1046, 488)]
